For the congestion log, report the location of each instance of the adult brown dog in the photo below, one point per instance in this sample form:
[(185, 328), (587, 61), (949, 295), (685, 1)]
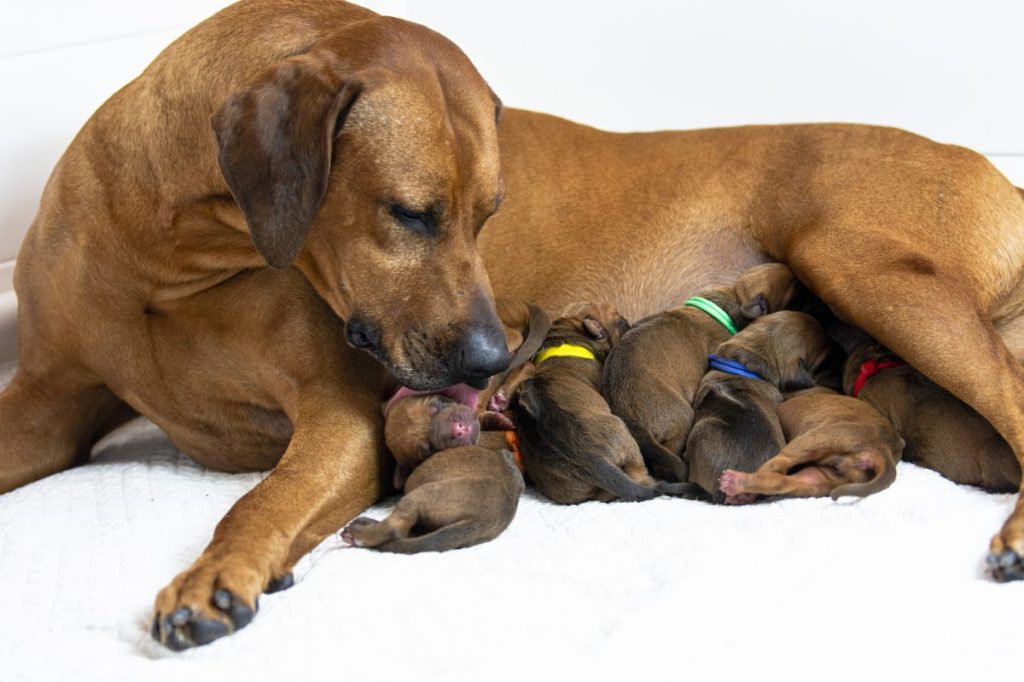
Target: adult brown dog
[(652, 374), (841, 444), (139, 281)]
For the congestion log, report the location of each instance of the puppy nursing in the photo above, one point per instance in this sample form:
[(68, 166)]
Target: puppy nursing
[(838, 445), (652, 375), (574, 448), (735, 423)]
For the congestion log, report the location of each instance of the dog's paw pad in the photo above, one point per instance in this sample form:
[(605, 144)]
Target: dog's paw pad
[(731, 483), (280, 584)]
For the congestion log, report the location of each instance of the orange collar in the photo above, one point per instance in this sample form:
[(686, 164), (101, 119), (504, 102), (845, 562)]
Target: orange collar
[(513, 443)]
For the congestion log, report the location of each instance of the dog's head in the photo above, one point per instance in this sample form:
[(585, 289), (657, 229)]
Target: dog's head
[(370, 162), (764, 289), (418, 426)]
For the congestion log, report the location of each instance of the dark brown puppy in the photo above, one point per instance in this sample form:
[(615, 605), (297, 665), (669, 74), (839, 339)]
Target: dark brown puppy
[(735, 424), (841, 445), (651, 376), (574, 448), (458, 497), (941, 432)]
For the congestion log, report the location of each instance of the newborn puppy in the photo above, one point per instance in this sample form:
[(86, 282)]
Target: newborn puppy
[(459, 497), (735, 423), (574, 449), (841, 445), (941, 432), (651, 376)]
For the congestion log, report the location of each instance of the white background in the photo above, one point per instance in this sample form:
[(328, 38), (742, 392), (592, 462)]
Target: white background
[(949, 70)]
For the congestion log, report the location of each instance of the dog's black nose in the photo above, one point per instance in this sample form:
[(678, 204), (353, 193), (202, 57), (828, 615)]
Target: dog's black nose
[(483, 353), (362, 334)]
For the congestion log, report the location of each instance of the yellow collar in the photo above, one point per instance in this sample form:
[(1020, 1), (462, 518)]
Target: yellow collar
[(566, 350)]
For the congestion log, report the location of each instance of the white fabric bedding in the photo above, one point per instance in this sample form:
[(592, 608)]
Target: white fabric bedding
[(890, 587)]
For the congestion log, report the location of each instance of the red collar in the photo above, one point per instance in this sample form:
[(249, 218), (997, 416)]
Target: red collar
[(869, 369)]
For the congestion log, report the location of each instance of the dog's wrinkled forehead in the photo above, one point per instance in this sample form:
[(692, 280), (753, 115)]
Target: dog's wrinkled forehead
[(429, 147)]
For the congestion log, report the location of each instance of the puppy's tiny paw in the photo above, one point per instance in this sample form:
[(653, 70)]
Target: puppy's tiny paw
[(498, 402), (732, 483), (350, 534)]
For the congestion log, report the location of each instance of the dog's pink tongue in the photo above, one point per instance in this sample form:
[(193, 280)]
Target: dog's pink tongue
[(460, 393)]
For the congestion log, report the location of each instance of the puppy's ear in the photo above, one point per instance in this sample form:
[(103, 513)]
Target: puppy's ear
[(402, 472), (594, 328), (275, 139), (526, 401), (755, 308)]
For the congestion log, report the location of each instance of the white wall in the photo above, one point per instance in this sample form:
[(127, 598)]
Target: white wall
[(950, 70)]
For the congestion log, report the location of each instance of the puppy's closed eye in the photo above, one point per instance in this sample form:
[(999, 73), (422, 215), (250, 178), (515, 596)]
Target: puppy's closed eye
[(594, 328)]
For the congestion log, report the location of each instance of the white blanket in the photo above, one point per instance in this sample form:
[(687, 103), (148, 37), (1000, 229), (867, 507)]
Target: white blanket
[(889, 587)]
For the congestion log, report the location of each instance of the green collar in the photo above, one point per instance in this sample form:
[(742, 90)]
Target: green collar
[(713, 310)]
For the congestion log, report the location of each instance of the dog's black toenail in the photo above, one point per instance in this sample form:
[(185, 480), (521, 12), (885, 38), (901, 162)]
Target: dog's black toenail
[(222, 599), (279, 584), (205, 631), (991, 560), (1007, 558), (180, 616), (154, 629), (241, 615), (176, 640)]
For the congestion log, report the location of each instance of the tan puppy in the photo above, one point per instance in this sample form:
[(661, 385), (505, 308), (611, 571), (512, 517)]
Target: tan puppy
[(841, 445), (735, 425), (268, 135), (574, 448), (651, 376), (941, 432), (458, 497)]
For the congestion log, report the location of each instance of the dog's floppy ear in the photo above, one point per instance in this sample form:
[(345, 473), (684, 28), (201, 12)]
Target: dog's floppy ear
[(764, 289), (275, 139), (796, 377), (755, 308)]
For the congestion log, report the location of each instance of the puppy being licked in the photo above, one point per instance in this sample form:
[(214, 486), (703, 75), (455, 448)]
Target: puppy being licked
[(651, 376), (735, 423), (574, 449), (838, 445), (457, 493)]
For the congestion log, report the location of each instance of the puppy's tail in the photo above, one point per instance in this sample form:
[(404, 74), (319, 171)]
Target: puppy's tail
[(884, 477)]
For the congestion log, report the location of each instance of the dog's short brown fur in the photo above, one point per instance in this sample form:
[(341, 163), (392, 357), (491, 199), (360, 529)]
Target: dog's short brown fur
[(735, 424), (456, 498), (574, 449), (651, 376), (841, 445), (162, 227), (941, 432)]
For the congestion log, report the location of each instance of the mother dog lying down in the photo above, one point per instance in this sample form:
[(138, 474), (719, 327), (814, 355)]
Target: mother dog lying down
[(294, 174)]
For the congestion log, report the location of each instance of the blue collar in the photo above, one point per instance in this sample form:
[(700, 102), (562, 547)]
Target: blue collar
[(732, 367)]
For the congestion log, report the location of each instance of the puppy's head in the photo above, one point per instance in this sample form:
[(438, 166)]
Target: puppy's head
[(765, 289), (370, 162), (418, 426), (598, 325), (785, 348)]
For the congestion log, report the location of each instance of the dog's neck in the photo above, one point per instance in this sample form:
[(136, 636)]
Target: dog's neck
[(726, 299), (582, 368)]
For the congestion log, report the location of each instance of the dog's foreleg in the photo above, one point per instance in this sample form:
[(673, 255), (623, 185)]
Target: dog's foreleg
[(334, 468)]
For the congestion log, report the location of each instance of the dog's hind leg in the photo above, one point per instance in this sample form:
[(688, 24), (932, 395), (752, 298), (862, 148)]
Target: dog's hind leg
[(48, 422), (462, 533), (935, 316)]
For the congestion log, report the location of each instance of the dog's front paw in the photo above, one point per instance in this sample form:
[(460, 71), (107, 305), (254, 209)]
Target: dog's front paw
[(1005, 563), (212, 599)]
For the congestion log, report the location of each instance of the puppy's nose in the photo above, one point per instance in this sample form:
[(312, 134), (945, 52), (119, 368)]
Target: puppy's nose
[(483, 353), (362, 334), (460, 430)]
